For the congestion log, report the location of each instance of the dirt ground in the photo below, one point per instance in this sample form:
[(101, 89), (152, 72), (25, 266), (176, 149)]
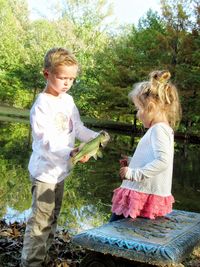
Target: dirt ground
[(62, 252)]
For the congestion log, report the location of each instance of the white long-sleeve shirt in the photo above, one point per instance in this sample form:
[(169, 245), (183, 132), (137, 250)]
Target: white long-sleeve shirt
[(55, 123), (150, 169)]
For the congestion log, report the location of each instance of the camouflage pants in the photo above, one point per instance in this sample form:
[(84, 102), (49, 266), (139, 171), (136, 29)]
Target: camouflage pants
[(42, 223)]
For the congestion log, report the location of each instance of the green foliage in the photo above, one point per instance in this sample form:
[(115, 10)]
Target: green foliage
[(12, 36), (111, 62), (13, 167), (12, 178), (15, 139)]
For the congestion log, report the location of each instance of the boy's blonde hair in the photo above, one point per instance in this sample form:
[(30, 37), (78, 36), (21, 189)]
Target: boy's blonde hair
[(162, 92), (58, 56)]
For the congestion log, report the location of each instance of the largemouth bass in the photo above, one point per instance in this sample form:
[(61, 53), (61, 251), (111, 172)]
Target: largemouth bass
[(92, 148)]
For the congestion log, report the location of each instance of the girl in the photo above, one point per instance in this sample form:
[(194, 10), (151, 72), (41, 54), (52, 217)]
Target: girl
[(147, 176)]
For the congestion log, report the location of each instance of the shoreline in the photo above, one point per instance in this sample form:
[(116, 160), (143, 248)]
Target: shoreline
[(62, 253)]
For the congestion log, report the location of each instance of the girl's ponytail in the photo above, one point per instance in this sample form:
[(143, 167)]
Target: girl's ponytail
[(160, 86), (160, 90), (167, 95)]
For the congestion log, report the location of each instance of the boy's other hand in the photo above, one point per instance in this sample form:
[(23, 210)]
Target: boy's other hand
[(84, 159)]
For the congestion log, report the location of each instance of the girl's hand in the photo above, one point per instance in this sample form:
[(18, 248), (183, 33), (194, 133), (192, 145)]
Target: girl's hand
[(122, 172), (124, 161)]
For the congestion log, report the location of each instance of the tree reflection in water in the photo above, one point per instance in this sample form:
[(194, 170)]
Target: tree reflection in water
[(88, 190)]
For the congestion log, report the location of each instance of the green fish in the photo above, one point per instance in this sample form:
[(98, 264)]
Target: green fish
[(92, 148)]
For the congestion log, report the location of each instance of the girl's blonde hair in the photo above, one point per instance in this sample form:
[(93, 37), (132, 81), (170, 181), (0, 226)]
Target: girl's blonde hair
[(162, 92), (58, 56)]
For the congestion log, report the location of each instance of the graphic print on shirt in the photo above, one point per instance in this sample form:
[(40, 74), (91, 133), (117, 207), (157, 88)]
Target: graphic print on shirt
[(63, 123)]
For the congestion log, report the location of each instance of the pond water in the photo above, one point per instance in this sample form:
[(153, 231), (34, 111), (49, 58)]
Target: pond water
[(88, 190)]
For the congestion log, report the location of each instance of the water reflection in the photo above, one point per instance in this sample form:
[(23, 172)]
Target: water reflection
[(88, 190), (11, 215)]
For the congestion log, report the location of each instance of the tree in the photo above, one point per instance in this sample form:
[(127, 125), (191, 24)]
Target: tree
[(181, 18), (12, 48)]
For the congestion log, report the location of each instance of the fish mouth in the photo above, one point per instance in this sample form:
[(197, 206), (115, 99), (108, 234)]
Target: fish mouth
[(104, 142)]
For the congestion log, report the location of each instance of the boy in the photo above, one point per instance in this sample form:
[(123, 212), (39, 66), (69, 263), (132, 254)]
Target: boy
[(55, 123)]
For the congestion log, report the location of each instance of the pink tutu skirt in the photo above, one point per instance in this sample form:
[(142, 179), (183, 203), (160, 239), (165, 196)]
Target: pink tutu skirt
[(131, 203)]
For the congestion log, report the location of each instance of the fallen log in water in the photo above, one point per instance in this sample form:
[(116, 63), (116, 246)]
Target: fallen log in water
[(12, 114)]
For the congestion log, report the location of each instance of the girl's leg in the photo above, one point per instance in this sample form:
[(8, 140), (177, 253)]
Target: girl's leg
[(115, 217), (39, 224)]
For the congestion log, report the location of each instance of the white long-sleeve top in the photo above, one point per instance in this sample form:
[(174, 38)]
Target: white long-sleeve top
[(55, 123), (150, 169)]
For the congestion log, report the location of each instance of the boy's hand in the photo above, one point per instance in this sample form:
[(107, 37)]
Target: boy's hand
[(122, 172), (84, 158), (74, 152)]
